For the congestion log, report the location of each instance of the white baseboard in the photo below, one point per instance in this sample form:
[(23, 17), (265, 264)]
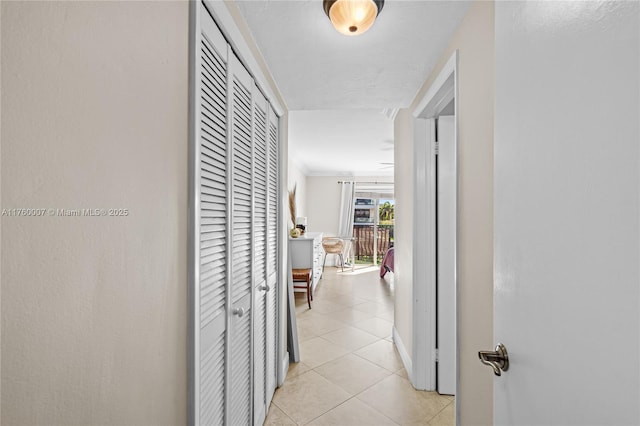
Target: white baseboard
[(284, 368), (404, 355)]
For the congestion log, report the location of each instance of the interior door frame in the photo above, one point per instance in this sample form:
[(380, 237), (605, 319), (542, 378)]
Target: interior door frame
[(442, 91)]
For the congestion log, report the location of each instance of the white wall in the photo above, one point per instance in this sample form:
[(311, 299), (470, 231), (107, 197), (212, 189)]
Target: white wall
[(474, 40), (297, 178), (94, 115), (323, 202)]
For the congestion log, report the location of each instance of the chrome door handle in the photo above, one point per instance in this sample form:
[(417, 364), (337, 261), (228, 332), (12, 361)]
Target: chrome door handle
[(238, 311), (498, 359), (265, 287)]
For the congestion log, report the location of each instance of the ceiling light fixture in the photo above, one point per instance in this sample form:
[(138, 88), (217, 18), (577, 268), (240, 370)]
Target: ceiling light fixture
[(352, 17)]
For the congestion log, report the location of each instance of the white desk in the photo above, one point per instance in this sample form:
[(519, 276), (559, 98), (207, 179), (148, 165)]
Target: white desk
[(307, 252)]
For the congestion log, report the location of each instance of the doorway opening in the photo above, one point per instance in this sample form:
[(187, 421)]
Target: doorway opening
[(373, 229), (435, 243)]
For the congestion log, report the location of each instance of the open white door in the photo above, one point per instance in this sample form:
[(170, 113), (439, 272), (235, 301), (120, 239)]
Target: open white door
[(446, 249), (566, 291)]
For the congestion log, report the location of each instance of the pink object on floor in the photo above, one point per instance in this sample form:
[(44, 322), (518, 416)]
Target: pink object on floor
[(387, 263)]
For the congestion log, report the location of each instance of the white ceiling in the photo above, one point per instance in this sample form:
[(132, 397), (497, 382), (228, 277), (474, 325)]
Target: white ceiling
[(317, 69), (341, 142)]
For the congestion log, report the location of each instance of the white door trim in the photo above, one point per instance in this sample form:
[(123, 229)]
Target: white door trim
[(282, 354), (193, 268), (441, 92)]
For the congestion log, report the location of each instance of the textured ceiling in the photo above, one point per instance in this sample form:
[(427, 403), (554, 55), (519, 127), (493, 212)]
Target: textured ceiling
[(352, 142), (316, 68)]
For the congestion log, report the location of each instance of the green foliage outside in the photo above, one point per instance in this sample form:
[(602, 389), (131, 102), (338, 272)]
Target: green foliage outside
[(386, 213)]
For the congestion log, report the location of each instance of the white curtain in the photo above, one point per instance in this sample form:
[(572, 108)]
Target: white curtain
[(345, 224), (347, 196)]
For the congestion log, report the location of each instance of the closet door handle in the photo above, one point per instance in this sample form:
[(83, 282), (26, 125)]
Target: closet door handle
[(265, 287), (238, 311)]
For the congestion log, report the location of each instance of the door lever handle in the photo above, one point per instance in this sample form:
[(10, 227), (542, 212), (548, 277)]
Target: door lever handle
[(498, 360)]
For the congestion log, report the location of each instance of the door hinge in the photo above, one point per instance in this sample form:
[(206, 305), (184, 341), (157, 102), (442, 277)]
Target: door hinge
[(436, 148), (436, 355)]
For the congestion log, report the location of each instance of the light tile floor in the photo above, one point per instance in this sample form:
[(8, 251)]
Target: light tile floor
[(350, 371)]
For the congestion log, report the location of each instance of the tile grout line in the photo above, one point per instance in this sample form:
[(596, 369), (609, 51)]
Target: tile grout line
[(283, 412), (347, 400), (352, 352), (332, 297), (443, 408)]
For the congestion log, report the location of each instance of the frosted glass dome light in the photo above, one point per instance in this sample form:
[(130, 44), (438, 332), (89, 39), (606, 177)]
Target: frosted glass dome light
[(352, 17)]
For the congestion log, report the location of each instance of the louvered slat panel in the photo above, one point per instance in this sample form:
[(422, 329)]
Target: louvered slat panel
[(259, 260), (211, 96), (212, 370), (212, 184), (260, 193), (271, 326), (212, 234), (272, 245), (212, 131), (272, 225), (260, 345), (210, 190), (211, 222), (212, 225), (242, 188), (271, 345), (212, 279), (240, 398), (215, 171), (272, 191), (212, 260), (211, 152), (250, 188)]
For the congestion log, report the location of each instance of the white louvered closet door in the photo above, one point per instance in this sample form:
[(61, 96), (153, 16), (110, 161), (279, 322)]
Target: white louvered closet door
[(211, 240), (273, 197), (260, 112), (234, 235), (240, 333)]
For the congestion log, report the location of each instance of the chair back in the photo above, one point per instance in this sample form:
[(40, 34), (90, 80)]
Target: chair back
[(333, 245)]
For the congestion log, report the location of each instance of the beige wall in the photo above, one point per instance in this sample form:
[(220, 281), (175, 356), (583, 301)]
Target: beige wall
[(0, 219), (94, 115), (323, 204), (403, 233), (474, 40)]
